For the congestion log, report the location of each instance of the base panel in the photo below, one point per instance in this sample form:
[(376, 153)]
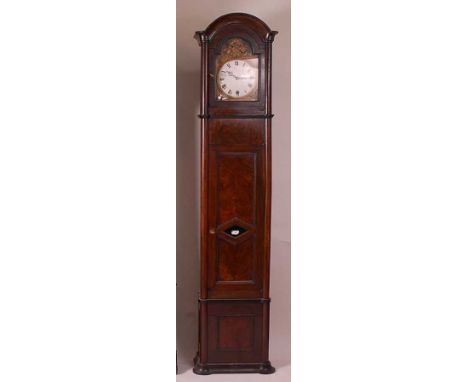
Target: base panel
[(229, 368)]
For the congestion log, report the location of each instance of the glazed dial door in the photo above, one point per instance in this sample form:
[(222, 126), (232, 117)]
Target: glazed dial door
[(238, 79), (236, 72)]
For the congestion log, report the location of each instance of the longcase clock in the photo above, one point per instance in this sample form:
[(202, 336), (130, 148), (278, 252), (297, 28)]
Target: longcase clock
[(234, 300)]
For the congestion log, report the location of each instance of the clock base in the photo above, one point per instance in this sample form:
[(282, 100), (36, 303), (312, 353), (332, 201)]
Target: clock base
[(229, 368)]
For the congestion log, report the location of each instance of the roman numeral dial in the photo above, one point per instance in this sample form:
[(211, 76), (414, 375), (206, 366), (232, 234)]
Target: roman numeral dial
[(238, 80)]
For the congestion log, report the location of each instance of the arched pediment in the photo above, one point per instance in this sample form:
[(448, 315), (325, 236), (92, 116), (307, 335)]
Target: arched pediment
[(236, 21)]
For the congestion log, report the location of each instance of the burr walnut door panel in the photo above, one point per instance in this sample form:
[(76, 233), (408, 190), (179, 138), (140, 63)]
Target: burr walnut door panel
[(236, 220)]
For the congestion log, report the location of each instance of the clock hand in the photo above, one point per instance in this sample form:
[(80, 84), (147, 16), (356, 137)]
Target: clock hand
[(239, 77), (230, 74), (233, 75)]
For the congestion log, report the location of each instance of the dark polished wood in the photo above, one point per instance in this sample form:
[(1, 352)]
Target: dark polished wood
[(235, 205)]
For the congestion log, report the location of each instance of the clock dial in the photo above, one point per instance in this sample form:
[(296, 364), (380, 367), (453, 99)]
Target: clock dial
[(237, 79)]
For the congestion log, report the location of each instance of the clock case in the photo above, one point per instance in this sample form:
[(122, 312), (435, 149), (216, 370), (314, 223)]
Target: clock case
[(234, 300)]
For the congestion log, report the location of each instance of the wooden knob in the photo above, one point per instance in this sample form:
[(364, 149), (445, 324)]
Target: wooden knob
[(212, 231)]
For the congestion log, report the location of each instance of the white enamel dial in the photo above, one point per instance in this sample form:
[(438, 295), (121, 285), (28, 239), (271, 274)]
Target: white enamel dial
[(237, 78)]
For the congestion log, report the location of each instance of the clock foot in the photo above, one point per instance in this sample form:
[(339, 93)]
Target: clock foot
[(199, 368), (266, 368)]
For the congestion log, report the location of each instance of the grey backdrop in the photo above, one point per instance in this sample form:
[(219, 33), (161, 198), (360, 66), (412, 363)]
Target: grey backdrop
[(196, 15)]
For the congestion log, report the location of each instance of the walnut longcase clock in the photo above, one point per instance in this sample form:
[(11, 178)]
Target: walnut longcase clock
[(234, 301)]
